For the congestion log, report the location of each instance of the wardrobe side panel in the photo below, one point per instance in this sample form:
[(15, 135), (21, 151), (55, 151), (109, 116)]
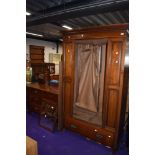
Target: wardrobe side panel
[(112, 89), (68, 77)]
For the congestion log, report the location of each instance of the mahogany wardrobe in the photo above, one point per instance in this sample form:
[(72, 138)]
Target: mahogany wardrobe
[(93, 71)]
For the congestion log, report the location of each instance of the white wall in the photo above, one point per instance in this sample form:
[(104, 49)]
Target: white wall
[(50, 47)]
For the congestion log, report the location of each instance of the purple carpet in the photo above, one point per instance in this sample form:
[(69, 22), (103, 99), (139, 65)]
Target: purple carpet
[(64, 142)]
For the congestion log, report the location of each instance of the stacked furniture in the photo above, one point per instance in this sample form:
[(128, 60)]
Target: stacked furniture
[(37, 54)]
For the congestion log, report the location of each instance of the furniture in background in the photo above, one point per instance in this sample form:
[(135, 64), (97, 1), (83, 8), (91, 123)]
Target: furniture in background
[(42, 72), (31, 146), (36, 54), (43, 95), (93, 71), (42, 99)]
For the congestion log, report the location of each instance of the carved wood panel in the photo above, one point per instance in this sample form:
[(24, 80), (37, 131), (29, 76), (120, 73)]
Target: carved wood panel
[(112, 103), (113, 82), (68, 59), (115, 63)]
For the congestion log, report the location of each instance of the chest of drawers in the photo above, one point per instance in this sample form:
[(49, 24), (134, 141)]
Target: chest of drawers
[(39, 94)]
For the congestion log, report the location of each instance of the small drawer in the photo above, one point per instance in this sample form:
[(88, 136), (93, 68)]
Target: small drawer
[(34, 92), (95, 133), (50, 96), (37, 109), (35, 105), (50, 102), (101, 137), (37, 100)]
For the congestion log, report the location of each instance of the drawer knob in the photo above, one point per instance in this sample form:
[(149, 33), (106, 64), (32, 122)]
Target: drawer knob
[(52, 107), (109, 136), (95, 130)]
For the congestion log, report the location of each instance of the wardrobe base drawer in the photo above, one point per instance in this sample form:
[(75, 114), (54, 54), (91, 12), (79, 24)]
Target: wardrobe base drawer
[(95, 133)]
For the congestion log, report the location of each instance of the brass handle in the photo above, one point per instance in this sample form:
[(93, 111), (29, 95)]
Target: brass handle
[(98, 136)]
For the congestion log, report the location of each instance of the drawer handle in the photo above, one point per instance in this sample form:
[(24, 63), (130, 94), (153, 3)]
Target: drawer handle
[(73, 126), (98, 136)]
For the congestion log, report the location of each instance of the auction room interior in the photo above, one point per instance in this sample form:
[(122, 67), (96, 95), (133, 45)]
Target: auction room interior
[(77, 77)]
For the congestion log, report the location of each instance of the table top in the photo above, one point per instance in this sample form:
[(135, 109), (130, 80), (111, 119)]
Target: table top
[(44, 87)]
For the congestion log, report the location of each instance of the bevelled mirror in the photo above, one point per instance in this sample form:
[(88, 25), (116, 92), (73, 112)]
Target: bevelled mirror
[(90, 59)]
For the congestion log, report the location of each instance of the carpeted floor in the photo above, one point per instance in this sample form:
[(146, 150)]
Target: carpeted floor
[(64, 142)]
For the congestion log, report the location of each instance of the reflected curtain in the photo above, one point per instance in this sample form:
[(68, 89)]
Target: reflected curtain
[(88, 76)]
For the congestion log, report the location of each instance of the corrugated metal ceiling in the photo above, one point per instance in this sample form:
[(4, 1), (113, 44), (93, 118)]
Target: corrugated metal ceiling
[(51, 27)]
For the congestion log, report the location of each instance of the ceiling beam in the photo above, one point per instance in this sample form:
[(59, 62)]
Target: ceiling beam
[(44, 39), (77, 9)]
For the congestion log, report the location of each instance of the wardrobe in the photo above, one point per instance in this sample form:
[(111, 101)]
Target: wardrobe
[(93, 71)]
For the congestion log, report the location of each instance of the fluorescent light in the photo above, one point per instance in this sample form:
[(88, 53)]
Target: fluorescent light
[(28, 13), (67, 27), (34, 34)]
